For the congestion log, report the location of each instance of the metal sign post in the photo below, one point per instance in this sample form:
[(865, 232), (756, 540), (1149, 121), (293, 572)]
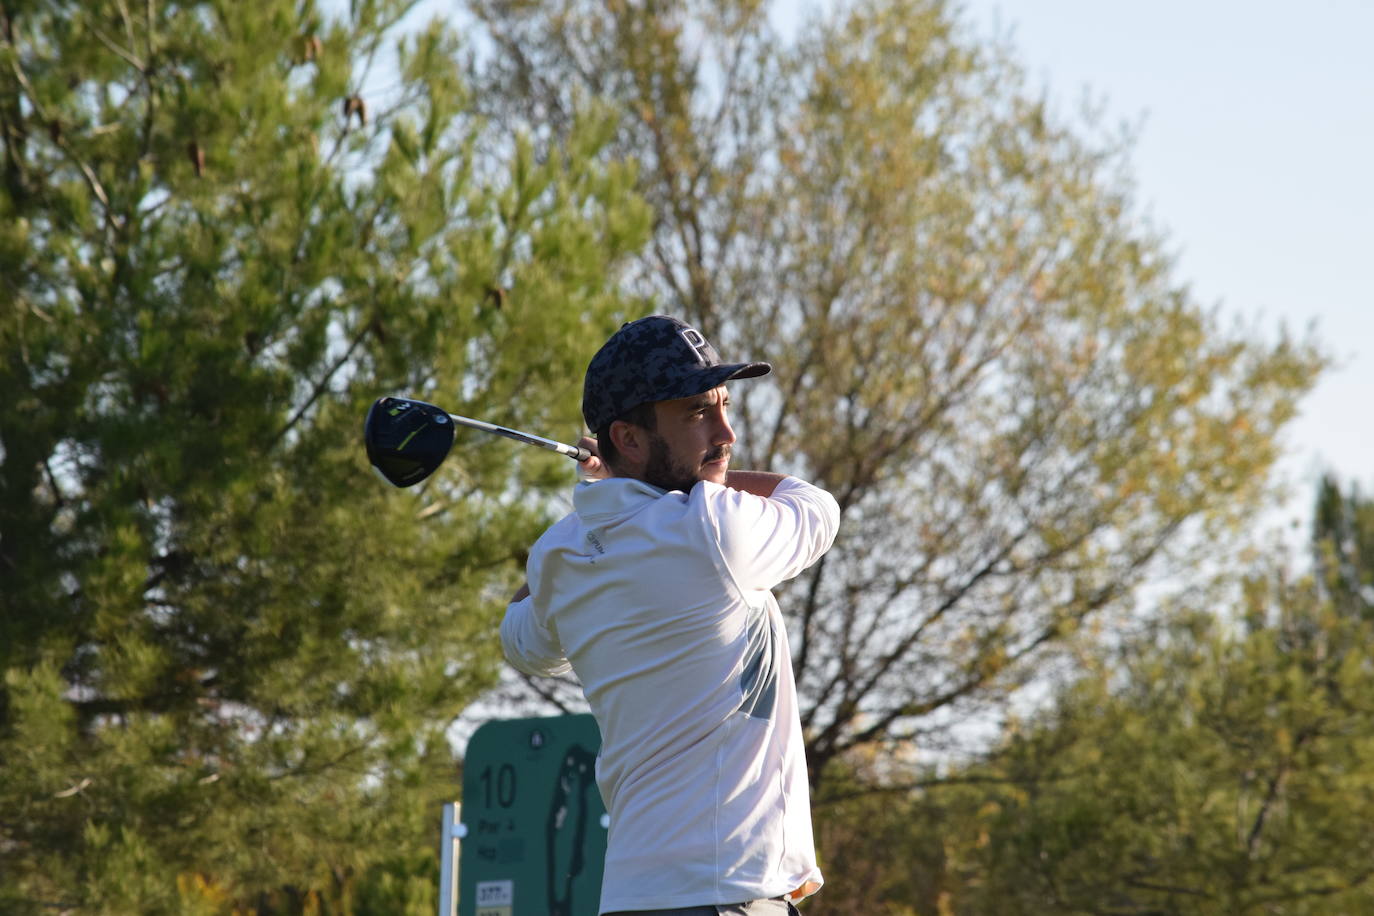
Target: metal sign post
[(451, 833)]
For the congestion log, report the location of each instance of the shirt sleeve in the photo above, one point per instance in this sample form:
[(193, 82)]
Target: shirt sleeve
[(528, 644), (767, 540)]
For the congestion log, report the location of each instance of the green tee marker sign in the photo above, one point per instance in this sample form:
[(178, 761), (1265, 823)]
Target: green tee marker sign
[(535, 843)]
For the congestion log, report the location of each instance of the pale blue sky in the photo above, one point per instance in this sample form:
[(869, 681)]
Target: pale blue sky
[(1255, 154)]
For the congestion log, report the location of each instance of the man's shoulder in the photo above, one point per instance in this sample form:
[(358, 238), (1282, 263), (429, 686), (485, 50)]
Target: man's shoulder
[(557, 533)]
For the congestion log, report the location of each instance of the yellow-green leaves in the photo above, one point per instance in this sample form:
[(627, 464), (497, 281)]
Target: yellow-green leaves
[(979, 345)]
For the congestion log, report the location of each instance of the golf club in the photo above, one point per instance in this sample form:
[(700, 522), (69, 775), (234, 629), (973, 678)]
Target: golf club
[(407, 439)]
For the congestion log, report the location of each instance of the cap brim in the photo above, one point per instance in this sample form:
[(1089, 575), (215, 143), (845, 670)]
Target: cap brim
[(749, 370), (714, 377)]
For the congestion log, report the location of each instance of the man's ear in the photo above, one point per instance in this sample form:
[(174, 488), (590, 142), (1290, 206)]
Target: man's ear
[(632, 443)]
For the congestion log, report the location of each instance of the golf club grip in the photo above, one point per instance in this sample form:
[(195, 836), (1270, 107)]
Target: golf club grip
[(572, 451)]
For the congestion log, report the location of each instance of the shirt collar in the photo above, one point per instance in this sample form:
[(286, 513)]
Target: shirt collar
[(602, 500)]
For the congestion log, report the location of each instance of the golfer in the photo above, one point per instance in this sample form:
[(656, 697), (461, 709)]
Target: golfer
[(655, 592)]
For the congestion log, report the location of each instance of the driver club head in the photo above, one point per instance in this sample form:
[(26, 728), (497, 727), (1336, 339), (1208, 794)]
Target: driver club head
[(406, 439)]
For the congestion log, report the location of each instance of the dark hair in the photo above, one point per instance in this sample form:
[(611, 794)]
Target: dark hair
[(645, 415)]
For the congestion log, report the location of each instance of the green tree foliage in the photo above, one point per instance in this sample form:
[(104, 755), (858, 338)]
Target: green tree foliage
[(1343, 548), (882, 841), (978, 344), (229, 653), (1219, 765)]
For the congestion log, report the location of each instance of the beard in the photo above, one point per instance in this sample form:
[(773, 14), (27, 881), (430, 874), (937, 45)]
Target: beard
[(665, 471)]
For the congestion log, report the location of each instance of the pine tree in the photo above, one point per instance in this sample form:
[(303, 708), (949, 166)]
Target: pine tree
[(1343, 547), (230, 654)]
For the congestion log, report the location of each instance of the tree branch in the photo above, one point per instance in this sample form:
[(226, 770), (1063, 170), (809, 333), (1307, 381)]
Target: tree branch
[(323, 383)]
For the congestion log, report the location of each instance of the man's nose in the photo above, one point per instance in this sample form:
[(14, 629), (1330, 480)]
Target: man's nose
[(725, 434)]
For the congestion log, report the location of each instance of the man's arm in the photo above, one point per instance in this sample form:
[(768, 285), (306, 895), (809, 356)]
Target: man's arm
[(527, 645), (767, 541), (760, 483)]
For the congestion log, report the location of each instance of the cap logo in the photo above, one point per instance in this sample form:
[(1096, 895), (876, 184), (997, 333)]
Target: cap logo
[(697, 343)]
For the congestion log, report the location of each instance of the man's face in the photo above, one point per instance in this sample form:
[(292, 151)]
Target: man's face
[(692, 441)]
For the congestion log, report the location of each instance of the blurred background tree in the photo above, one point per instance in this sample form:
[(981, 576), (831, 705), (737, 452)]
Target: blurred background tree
[(230, 654), (1217, 764), (978, 345), (1212, 762)]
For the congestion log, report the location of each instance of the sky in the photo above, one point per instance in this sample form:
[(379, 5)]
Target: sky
[(1254, 154)]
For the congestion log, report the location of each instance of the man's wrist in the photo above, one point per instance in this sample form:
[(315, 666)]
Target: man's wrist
[(759, 483)]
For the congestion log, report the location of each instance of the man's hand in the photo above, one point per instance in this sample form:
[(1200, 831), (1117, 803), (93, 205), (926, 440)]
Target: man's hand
[(593, 468)]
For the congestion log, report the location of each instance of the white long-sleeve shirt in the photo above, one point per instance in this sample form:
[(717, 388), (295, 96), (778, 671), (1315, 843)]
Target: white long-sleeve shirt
[(660, 603)]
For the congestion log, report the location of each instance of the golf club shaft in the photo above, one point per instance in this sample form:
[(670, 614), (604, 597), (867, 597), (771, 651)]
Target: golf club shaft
[(572, 451)]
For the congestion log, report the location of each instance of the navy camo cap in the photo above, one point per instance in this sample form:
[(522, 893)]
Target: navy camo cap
[(658, 358)]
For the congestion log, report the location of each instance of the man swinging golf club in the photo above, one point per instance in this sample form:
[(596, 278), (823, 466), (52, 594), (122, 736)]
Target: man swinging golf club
[(655, 591)]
